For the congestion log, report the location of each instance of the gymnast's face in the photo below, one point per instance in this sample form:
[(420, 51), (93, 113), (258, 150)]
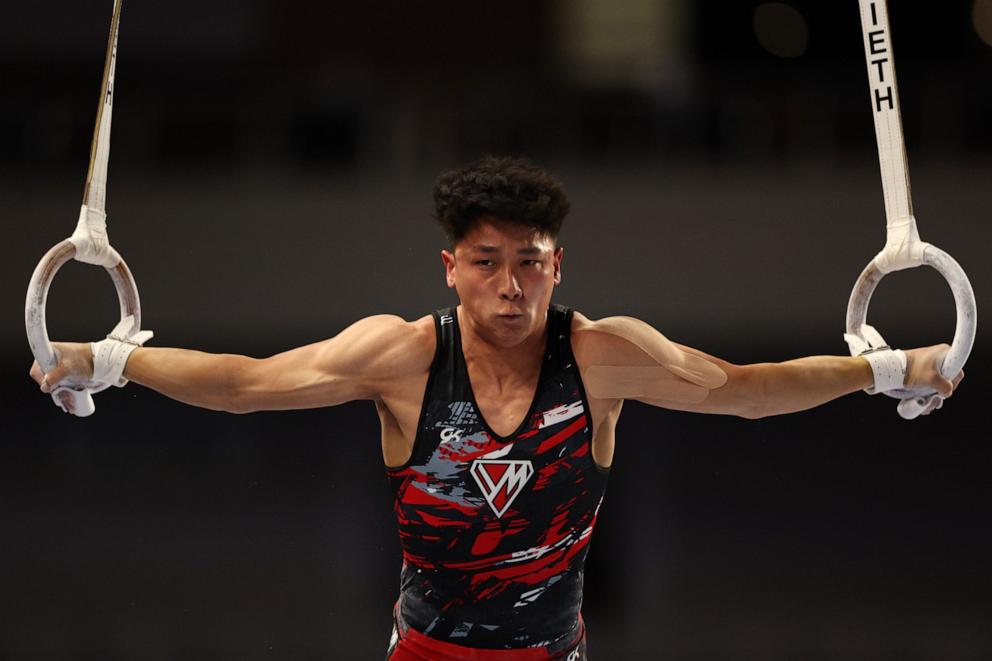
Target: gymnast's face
[(504, 274)]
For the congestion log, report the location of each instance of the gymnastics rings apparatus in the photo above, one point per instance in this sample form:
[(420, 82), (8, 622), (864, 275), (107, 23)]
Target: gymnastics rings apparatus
[(89, 243), (903, 247)]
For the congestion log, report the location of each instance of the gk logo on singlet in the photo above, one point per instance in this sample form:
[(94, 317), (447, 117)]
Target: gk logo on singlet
[(450, 434), (501, 481)]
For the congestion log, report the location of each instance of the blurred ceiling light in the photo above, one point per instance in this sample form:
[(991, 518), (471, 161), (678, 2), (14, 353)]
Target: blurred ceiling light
[(982, 16), (781, 29), (639, 44)]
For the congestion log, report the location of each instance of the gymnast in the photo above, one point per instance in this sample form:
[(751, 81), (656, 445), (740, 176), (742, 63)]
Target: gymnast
[(498, 414)]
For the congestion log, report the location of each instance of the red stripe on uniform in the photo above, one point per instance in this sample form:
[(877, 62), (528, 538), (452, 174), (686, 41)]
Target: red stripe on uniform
[(563, 435)]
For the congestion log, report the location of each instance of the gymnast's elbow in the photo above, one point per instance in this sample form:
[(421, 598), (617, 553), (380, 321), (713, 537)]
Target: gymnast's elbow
[(764, 390), (238, 391), (755, 413), (747, 391), (281, 383), (237, 406), (751, 411)]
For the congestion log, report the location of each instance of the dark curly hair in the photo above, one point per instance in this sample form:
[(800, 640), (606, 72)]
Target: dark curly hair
[(503, 187)]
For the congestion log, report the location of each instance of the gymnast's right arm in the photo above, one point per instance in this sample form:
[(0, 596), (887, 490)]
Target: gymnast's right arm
[(361, 362)]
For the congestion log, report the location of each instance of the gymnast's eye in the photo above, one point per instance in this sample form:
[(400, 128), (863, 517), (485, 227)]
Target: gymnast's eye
[(532, 262), (484, 262)]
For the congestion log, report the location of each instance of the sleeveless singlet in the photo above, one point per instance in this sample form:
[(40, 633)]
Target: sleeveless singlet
[(495, 530)]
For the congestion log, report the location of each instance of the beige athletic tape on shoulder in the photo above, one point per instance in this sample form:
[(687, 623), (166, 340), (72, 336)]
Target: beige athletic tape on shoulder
[(617, 382), (679, 376)]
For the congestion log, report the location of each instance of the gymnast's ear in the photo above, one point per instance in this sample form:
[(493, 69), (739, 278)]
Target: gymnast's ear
[(559, 254), (448, 259)]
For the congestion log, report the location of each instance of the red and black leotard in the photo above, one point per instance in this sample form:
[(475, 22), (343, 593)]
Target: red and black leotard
[(495, 530)]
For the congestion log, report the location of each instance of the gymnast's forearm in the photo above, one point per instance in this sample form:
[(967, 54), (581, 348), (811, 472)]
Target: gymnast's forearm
[(193, 377), (803, 383)]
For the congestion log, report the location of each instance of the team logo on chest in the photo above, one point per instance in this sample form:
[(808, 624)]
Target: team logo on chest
[(501, 481)]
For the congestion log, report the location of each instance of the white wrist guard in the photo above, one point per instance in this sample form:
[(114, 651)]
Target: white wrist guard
[(889, 368), (887, 365), (110, 355)]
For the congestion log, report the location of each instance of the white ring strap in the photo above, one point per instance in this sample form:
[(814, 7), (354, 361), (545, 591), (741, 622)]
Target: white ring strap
[(95, 194)]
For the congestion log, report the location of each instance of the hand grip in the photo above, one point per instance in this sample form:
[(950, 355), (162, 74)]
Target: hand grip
[(911, 408), (76, 401)]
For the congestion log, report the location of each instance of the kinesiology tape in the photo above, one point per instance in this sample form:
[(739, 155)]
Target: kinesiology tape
[(677, 375)]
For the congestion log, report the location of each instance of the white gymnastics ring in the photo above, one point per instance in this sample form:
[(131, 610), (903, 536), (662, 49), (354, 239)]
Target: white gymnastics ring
[(916, 399), (37, 329)]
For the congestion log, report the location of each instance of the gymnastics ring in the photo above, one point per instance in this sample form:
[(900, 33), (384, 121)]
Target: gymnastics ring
[(914, 400), (37, 328)]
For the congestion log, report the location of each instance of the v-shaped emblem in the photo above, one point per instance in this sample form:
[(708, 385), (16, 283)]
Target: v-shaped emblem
[(501, 481)]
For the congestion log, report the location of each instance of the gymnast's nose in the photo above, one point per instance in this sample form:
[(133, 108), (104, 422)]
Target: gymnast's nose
[(509, 287)]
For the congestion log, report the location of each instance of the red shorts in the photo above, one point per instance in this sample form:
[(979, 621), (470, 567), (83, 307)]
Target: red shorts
[(410, 645)]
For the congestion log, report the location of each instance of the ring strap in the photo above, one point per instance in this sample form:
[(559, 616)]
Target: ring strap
[(903, 248)]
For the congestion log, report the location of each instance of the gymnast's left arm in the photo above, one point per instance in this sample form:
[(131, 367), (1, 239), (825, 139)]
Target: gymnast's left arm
[(624, 358)]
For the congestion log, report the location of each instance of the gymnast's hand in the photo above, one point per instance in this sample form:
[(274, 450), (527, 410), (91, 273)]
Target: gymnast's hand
[(74, 368), (923, 371)]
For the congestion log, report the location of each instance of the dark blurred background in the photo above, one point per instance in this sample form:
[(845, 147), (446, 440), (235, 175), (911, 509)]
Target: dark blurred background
[(270, 183)]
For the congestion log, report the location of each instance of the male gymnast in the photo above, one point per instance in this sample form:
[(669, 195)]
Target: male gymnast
[(498, 415)]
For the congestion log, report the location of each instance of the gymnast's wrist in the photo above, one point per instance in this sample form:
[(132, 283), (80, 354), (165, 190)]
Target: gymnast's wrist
[(110, 359), (864, 377), (130, 368), (888, 367)]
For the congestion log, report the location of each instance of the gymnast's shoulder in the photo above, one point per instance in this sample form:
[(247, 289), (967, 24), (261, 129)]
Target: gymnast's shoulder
[(626, 358), (386, 342), (615, 340)]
